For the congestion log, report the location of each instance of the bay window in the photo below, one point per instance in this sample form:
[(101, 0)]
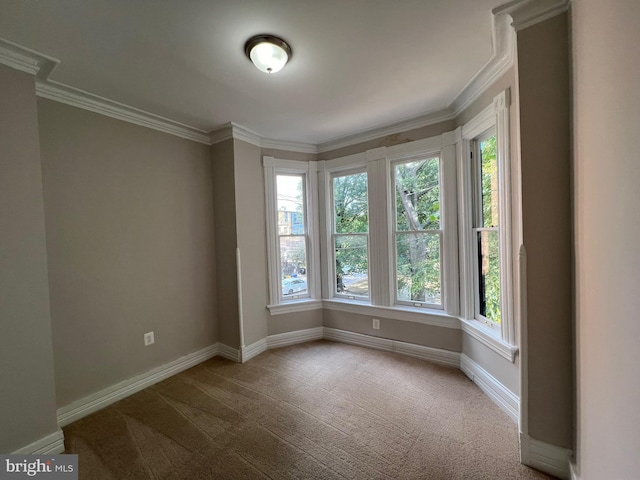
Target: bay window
[(419, 231)]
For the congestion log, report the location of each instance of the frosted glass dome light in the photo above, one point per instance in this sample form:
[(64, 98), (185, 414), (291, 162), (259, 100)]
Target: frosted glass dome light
[(268, 53)]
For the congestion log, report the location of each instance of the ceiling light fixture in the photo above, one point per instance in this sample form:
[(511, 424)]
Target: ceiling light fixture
[(268, 53)]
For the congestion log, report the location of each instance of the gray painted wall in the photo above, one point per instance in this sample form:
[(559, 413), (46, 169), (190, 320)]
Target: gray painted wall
[(289, 322), (130, 237), (403, 331), (606, 117), (544, 84), (224, 204), (252, 239), (28, 410)]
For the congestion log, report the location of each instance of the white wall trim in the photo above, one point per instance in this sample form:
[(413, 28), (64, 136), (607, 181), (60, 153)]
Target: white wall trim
[(502, 59), (51, 444), (26, 60), (254, 349), (526, 13), (295, 306), (437, 355), (411, 123), (98, 400), (238, 132), (94, 103), (545, 457), (228, 352), (573, 470), (292, 338), (501, 395), (477, 330)]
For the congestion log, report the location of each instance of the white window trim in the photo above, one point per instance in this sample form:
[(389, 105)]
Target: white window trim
[(394, 232), (381, 265), (503, 341), (272, 168), (332, 235)]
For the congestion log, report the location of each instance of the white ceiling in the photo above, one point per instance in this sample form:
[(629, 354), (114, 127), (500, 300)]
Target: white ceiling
[(357, 64)]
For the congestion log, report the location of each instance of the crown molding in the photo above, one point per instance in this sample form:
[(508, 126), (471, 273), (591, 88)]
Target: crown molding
[(26, 60), (405, 125), (502, 59), (523, 12), (238, 132), (94, 103), (526, 13), (225, 132), (41, 66)]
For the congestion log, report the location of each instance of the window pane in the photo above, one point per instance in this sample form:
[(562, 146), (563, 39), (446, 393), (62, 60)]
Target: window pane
[(418, 195), (351, 208), (418, 267), (352, 266), (489, 179), (293, 266), (290, 194), (489, 274)]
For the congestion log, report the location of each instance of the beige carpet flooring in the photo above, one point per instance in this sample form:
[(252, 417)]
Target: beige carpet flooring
[(318, 410)]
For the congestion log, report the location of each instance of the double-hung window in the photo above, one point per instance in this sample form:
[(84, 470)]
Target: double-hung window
[(390, 231), (485, 229), (293, 255), (486, 232), (292, 235), (350, 234), (416, 232)]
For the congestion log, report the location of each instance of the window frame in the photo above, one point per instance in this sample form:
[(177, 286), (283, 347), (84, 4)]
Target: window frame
[(502, 340), (332, 269), (394, 230), (382, 298), (476, 180), (304, 236), (308, 171)]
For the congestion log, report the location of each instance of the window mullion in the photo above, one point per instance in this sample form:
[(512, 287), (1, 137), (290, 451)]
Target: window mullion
[(379, 247)]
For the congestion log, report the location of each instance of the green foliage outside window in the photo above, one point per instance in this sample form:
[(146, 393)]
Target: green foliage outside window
[(488, 243), (417, 190), (351, 216)]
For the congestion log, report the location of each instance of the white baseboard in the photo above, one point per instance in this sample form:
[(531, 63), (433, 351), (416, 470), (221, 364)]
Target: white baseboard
[(573, 471), (445, 357), (96, 401), (254, 349), (228, 352), (501, 395), (545, 457), (297, 336), (51, 444)]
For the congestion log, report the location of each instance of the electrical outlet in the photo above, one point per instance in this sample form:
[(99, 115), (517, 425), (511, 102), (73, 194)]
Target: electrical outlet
[(376, 324), (148, 339)]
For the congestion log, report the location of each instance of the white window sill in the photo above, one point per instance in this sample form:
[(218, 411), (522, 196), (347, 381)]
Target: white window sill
[(295, 306), (426, 316), (489, 338)]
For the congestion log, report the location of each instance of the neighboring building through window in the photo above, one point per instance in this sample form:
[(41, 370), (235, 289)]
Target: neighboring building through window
[(292, 239)]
